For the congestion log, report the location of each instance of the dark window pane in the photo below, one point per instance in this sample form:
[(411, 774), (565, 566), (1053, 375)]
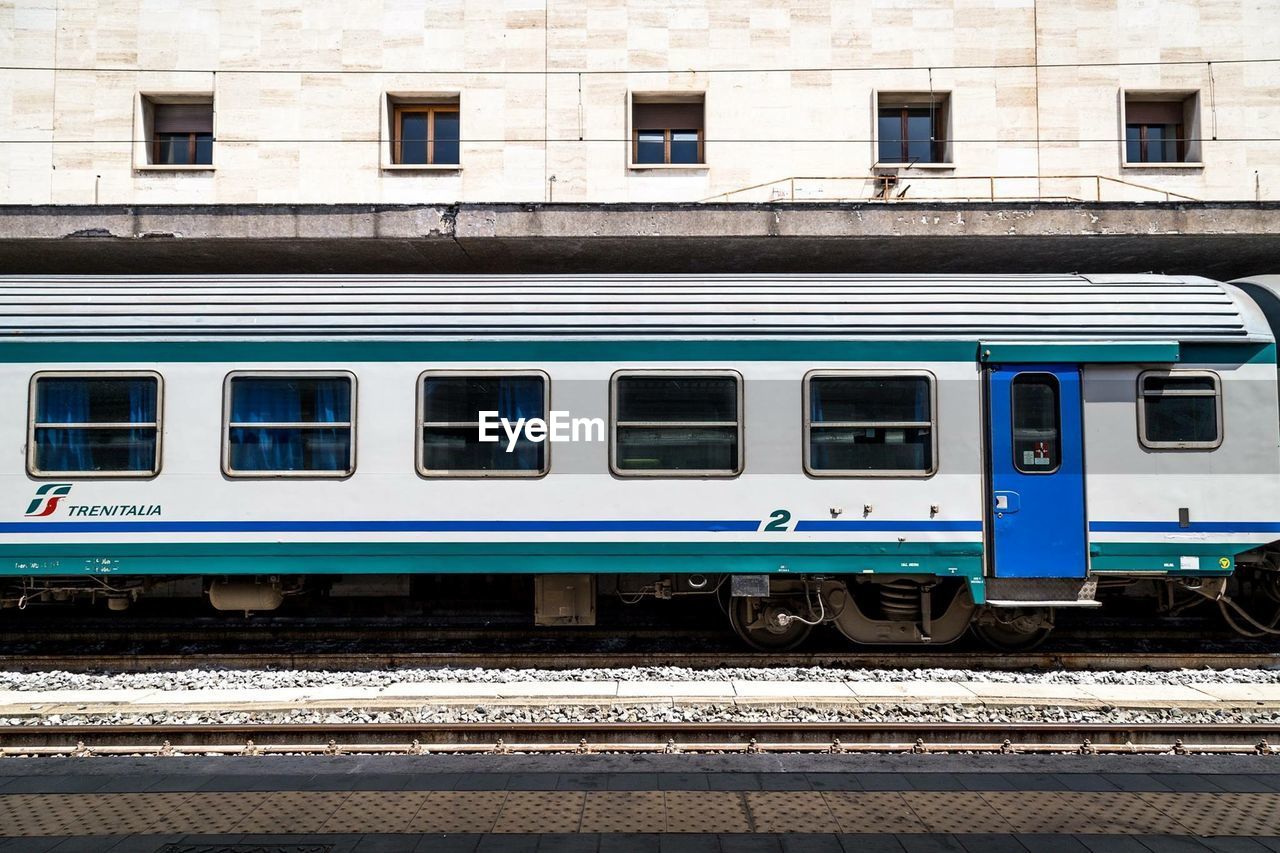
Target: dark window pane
[(260, 399), (447, 138), (1182, 419), (677, 398), (174, 149), (920, 135), (1133, 143), (289, 449), (677, 449), (1157, 383), (413, 138), (890, 136), (870, 398), (1036, 442), (651, 147), (684, 146), (72, 450), (459, 449), (71, 400), (204, 149), (462, 398), (870, 449)]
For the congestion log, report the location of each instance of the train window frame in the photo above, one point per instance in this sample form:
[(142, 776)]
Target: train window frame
[(468, 474), (227, 425), (36, 473), (1216, 394), (808, 423), (1019, 466), (665, 473)]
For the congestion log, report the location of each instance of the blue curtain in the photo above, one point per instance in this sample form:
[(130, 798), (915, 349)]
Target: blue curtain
[(85, 401), (64, 401), (520, 397), (260, 400)]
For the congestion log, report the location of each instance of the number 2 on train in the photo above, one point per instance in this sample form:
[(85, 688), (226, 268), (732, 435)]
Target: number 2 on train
[(781, 518)]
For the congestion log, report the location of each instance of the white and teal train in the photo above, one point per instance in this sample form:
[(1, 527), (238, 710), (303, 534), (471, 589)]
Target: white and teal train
[(900, 456)]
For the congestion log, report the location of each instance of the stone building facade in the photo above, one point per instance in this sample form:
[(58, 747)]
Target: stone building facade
[(1022, 99)]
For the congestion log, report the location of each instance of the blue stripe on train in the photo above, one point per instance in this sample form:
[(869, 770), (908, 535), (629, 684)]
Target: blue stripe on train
[(476, 526), (1193, 527)]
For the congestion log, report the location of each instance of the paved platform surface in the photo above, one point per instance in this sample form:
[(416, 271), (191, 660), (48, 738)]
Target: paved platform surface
[(1099, 804), (752, 693)]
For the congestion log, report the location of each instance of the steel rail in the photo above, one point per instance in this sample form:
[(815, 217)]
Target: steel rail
[(671, 737)]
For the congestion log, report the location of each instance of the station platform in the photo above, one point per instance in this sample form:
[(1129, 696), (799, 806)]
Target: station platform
[(676, 803)]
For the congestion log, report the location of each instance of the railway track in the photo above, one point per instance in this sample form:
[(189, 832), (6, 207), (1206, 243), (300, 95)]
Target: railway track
[(587, 737)]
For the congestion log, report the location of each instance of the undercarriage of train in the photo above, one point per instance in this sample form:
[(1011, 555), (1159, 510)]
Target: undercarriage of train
[(768, 613)]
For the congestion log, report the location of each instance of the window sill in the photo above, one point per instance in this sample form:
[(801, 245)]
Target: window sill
[(667, 167), (158, 167), (1162, 165), (937, 167), (421, 167)]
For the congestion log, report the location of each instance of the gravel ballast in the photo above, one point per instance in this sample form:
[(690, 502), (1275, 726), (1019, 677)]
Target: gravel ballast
[(266, 679)]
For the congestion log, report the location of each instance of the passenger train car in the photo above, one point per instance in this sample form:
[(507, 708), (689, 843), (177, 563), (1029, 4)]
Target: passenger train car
[(902, 457)]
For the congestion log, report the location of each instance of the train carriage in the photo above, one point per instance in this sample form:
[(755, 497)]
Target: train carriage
[(900, 456)]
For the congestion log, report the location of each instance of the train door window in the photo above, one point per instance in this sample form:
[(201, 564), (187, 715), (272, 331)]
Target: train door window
[(1179, 410), (864, 425), (289, 425), (451, 408), (94, 425), (677, 424), (1037, 423)]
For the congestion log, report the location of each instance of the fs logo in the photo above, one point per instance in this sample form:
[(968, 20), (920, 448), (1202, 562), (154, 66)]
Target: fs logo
[(46, 499)]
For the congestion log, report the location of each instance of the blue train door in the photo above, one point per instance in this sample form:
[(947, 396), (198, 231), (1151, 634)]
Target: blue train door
[(1037, 471)]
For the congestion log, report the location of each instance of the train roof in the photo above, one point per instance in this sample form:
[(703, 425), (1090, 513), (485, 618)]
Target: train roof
[(462, 307)]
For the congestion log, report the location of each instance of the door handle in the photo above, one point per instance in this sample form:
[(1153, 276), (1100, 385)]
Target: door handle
[(1007, 502)]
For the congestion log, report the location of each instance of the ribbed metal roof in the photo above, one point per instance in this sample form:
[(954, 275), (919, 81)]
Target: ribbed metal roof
[(1076, 307)]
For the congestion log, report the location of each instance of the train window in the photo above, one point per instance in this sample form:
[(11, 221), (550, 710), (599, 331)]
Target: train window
[(449, 418), (677, 424), (94, 425), (869, 424), (1179, 410), (289, 425), (1037, 425)]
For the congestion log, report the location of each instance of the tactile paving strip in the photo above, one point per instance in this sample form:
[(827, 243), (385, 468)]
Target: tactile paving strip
[(458, 811), (872, 811), (301, 811), (624, 811), (781, 811), (955, 812), (376, 811), (541, 811), (694, 811), (1221, 814)]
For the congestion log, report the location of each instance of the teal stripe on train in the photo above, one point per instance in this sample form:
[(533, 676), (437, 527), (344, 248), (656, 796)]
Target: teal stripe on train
[(948, 559), (31, 351)]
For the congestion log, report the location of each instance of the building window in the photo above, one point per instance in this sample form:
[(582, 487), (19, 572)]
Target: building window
[(449, 414), (1161, 128), (181, 134), (94, 425), (860, 424), (1179, 410), (281, 425), (1037, 423), (913, 128), (667, 132), (425, 134), (677, 424)]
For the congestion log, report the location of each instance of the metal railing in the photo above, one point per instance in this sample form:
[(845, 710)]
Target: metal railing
[(893, 187)]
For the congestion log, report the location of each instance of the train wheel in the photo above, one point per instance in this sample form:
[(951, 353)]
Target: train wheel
[(764, 623), (1016, 630)]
